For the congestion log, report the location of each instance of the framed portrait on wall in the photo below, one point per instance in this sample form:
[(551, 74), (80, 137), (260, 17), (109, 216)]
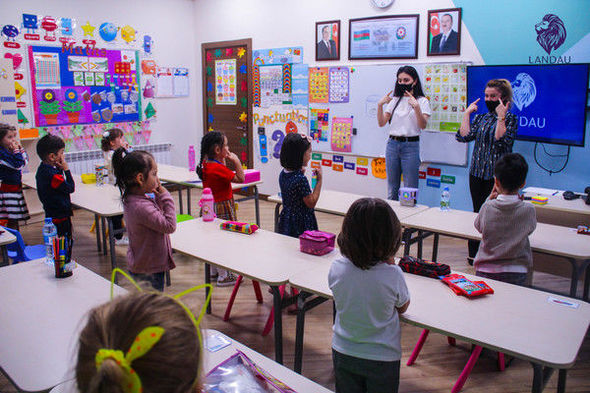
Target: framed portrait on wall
[(327, 39), (444, 32), (383, 37)]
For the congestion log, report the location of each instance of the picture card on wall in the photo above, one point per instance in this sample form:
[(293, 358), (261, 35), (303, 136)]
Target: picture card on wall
[(341, 134), (318, 84), (300, 87), (225, 82), (339, 84), (291, 54)]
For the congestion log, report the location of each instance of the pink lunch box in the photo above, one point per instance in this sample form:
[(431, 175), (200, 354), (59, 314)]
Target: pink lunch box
[(316, 242), (251, 175)]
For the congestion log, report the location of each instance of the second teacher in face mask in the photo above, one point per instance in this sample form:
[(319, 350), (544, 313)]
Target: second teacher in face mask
[(407, 113)]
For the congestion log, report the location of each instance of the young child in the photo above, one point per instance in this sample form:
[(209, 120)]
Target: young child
[(112, 140), (299, 200), (149, 218), (170, 364), (218, 177), (505, 223), (13, 158), (55, 183), (369, 293)]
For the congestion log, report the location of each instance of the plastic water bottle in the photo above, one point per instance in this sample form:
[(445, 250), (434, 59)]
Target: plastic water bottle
[(49, 233), (445, 199), (207, 204), (192, 161)]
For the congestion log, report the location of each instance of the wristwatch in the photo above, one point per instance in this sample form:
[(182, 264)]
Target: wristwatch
[(502, 118)]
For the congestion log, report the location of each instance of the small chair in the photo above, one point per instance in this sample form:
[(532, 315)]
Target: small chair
[(20, 252)]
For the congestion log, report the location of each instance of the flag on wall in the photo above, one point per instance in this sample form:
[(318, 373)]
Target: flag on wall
[(434, 27)]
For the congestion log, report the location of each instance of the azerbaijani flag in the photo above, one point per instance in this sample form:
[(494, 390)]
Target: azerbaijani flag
[(362, 35), (434, 27)]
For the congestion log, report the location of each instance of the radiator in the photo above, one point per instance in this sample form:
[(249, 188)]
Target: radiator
[(84, 161)]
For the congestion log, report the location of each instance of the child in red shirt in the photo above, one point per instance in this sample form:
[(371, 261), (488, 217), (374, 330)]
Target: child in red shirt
[(218, 177)]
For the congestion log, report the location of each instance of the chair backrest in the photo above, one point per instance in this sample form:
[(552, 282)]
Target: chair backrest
[(17, 249)]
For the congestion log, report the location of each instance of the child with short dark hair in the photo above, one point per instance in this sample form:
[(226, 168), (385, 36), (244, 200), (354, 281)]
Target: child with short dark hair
[(299, 200), (505, 223), (13, 158), (166, 353), (149, 213), (55, 183), (369, 293)]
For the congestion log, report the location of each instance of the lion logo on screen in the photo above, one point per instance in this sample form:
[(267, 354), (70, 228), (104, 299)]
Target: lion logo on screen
[(524, 90), (550, 32)]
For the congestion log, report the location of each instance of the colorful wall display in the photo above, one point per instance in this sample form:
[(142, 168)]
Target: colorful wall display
[(291, 54), (339, 84), (445, 85), (319, 124), (341, 139), (225, 82), (84, 85), (319, 82), (272, 85)]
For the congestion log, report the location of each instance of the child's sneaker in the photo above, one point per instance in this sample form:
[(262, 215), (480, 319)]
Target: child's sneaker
[(124, 241), (226, 281)]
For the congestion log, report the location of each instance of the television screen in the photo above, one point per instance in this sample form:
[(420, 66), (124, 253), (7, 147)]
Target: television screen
[(549, 100)]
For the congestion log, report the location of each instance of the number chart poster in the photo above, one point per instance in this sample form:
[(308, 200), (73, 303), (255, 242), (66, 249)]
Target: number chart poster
[(81, 85)]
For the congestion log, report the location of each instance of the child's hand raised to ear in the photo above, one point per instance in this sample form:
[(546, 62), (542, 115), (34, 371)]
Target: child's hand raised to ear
[(62, 164)]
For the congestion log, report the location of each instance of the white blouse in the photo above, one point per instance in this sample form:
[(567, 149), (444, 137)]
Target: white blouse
[(403, 120)]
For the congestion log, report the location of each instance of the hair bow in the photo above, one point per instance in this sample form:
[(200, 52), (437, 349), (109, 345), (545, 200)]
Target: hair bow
[(106, 134)]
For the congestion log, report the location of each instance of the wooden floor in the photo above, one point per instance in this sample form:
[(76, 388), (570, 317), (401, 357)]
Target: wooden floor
[(436, 369)]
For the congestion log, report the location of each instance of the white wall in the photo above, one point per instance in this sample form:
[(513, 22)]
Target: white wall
[(170, 23), (272, 23)]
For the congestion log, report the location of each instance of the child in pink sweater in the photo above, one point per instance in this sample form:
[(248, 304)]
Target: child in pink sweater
[(150, 216)]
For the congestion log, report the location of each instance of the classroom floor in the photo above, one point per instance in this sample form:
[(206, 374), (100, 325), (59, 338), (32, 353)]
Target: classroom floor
[(436, 369)]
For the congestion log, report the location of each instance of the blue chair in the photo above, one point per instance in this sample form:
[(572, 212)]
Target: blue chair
[(19, 252)]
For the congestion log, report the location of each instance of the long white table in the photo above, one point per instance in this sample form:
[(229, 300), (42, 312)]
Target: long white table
[(211, 359), (514, 320), (41, 317), (547, 239), (189, 179), (557, 204), (263, 256)]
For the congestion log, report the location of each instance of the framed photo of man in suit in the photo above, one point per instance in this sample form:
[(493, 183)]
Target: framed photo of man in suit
[(444, 32), (327, 39)]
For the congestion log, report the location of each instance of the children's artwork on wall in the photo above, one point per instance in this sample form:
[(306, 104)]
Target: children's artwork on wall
[(378, 168), (293, 54), (225, 82), (181, 82), (341, 134), (319, 124), (339, 84), (128, 34), (445, 85), (84, 85), (164, 82), (8, 108), (300, 85), (318, 84), (108, 31)]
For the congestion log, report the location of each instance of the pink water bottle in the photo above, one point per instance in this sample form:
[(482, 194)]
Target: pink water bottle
[(207, 205), (192, 162)]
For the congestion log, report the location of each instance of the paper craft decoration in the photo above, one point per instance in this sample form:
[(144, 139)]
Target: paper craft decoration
[(445, 86), (319, 123), (181, 82), (300, 87), (339, 84), (225, 82), (88, 29), (318, 84), (293, 54), (164, 82), (80, 85), (378, 168), (272, 85), (342, 134), (108, 31)]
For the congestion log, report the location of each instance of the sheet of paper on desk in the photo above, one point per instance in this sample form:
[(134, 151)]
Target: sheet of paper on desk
[(215, 342), (541, 191), (561, 302)]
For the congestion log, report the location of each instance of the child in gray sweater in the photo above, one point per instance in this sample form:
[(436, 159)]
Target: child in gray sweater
[(505, 223)]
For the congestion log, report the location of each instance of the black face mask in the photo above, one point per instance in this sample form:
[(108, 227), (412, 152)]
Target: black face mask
[(492, 105), (404, 88)]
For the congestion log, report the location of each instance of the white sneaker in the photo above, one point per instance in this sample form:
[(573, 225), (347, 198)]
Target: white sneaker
[(124, 241), (226, 281)]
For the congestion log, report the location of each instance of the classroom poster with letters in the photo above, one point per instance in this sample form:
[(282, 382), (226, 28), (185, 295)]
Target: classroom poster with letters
[(319, 82), (445, 86), (341, 134), (339, 84), (225, 82)]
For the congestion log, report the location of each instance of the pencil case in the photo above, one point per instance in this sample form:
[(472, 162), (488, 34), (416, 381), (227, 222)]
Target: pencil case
[(540, 200), (251, 175), (424, 268), (583, 229), (316, 242), (241, 227), (462, 286)]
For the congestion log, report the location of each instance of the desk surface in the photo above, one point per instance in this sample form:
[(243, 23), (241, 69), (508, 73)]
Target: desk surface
[(557, 203), (7, 238), (264, 256), (547, 238), (295, 381), (336, 202), (515, 320), (104, 200), (41, 317), (181, 175)]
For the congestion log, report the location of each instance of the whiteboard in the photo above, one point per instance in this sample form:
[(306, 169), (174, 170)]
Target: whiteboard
[(368, 84)]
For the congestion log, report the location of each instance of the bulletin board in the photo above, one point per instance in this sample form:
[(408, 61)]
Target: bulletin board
[(360, 90), (84, 86)]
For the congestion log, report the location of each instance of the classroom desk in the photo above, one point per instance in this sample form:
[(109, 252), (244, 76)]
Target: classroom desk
[(295, 381), (41, 317), (514, 320), (547, 239), (5, 239), (264, 256), (104, 201), (561, 212), (189, 179)]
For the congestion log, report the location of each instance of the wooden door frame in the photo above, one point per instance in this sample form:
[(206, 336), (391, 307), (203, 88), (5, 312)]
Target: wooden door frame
[(247, 42)]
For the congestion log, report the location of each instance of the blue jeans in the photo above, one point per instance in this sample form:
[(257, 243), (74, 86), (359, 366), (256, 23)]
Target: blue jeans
[(401, 157)]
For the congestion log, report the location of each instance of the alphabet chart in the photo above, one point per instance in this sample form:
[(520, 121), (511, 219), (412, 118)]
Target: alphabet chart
[(342, 134), (339, 86), (318, 85)]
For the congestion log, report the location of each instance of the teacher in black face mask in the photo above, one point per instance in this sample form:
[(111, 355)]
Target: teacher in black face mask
[(494, 134)]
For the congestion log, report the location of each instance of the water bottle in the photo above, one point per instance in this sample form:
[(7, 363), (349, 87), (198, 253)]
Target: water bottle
[(207, 204), (49, 233), (445, 199), (314, 178), (192, 161)]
